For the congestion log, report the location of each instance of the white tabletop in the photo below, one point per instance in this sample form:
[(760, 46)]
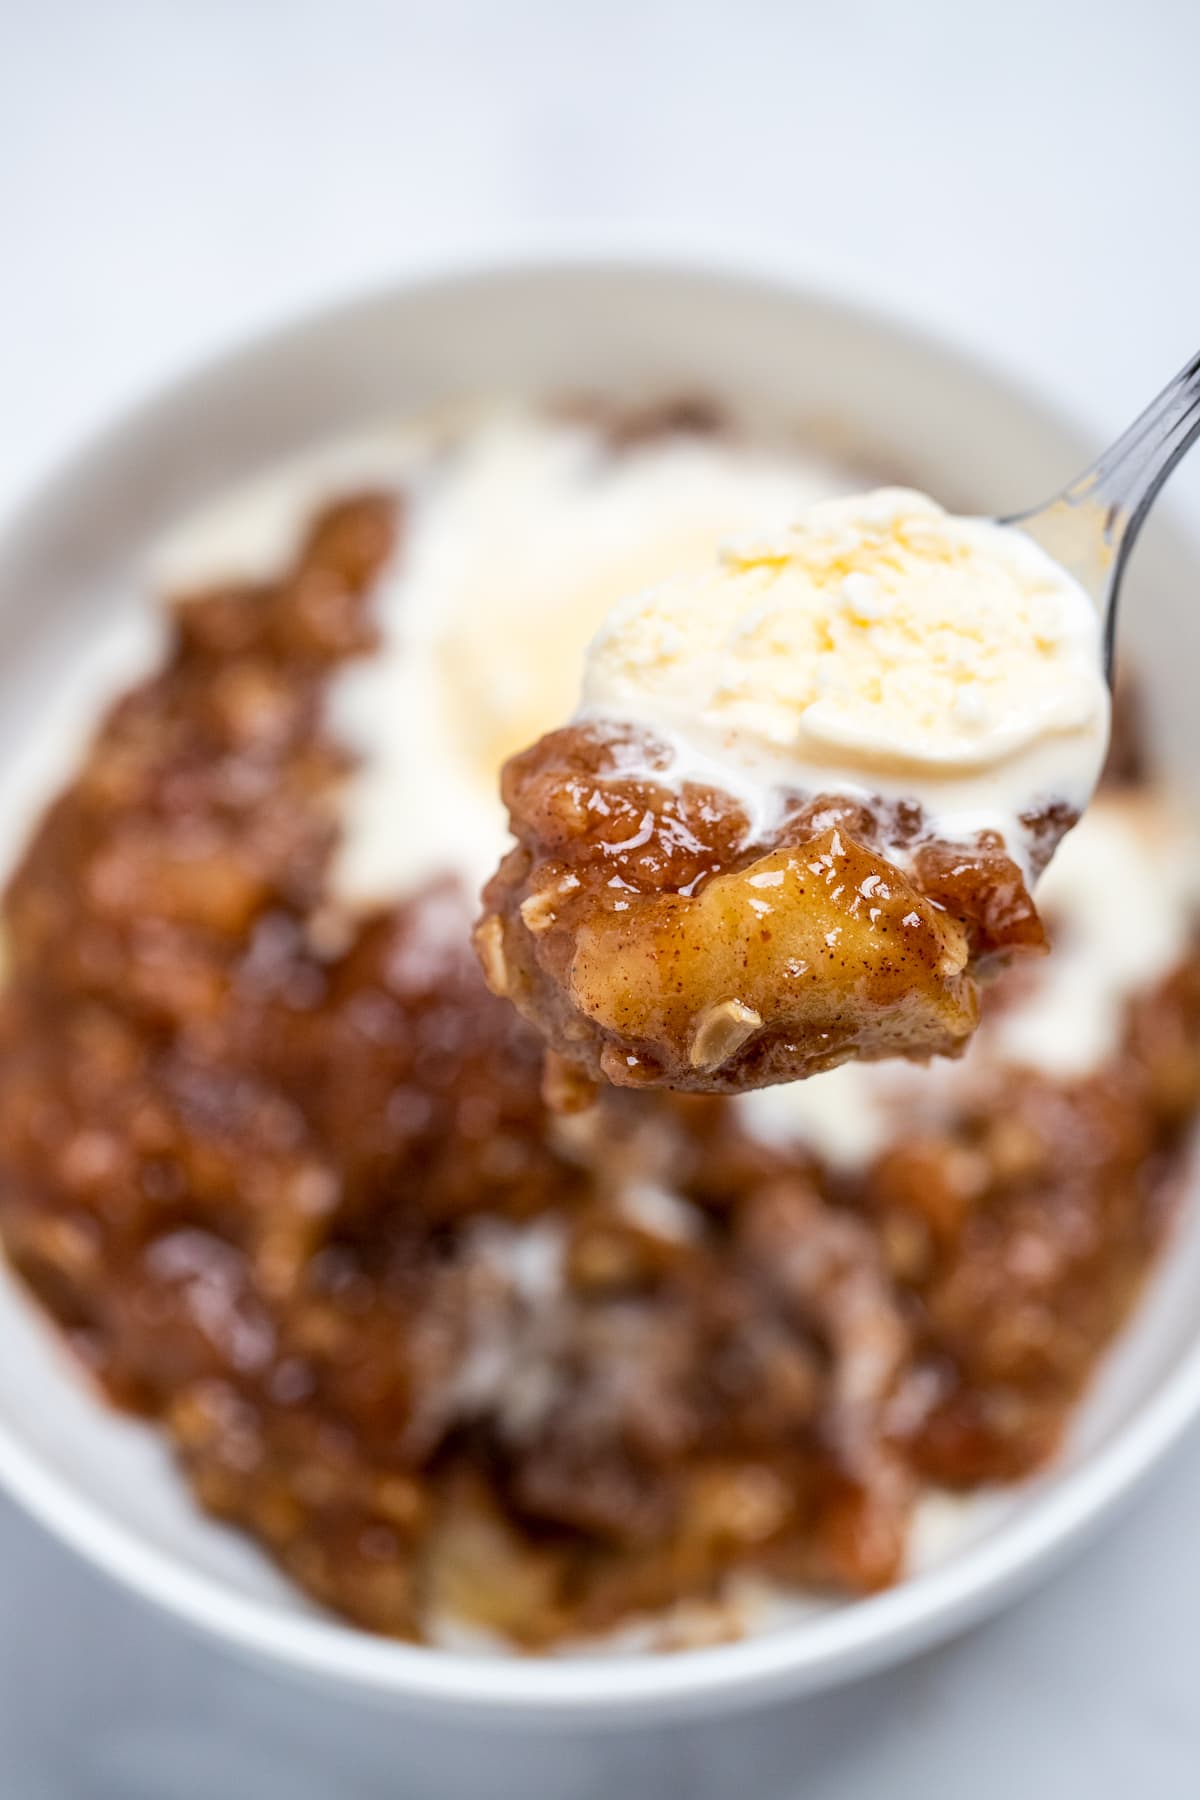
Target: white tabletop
[(173, 175)]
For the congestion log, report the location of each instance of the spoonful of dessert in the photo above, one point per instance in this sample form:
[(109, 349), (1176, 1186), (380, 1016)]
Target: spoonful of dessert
[(801, 810)]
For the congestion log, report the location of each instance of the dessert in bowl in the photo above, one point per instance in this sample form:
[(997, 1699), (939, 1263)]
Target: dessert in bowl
[(670, 1373)]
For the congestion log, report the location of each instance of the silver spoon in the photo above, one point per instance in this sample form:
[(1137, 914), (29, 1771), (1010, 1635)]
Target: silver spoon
[(1090, 527)]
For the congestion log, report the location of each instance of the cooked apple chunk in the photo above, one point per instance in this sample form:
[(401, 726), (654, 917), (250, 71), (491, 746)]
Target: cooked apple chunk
[(655, 941)]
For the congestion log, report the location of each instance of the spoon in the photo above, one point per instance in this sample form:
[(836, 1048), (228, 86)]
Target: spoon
[(1090, 527)]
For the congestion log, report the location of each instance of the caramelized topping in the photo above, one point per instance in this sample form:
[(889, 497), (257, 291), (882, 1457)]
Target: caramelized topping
[(650, 939), (288, 1181)]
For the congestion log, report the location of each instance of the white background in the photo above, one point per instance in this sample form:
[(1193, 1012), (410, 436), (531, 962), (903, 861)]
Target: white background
[(1025, 175)]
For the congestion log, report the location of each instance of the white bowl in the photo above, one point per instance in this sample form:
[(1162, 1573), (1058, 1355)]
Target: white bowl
[(67, 564)]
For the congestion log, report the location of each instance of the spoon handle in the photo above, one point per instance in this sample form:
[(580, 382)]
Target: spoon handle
[(1131, 471), (1091, 526)]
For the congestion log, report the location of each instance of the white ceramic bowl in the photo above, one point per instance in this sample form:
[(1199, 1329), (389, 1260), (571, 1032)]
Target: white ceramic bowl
[(104, 1483)]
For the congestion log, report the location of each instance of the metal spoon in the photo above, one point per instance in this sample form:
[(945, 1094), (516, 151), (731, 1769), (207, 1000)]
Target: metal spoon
[(1090, 527)]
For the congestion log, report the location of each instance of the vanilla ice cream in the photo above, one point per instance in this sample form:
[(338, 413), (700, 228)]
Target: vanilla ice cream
[(522, 528), (878, 646)]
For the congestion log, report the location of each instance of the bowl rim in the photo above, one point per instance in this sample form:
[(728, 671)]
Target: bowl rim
[(832, 1647)]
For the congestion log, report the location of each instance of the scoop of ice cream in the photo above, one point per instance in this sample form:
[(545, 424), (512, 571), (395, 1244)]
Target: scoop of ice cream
[(922, 654)]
